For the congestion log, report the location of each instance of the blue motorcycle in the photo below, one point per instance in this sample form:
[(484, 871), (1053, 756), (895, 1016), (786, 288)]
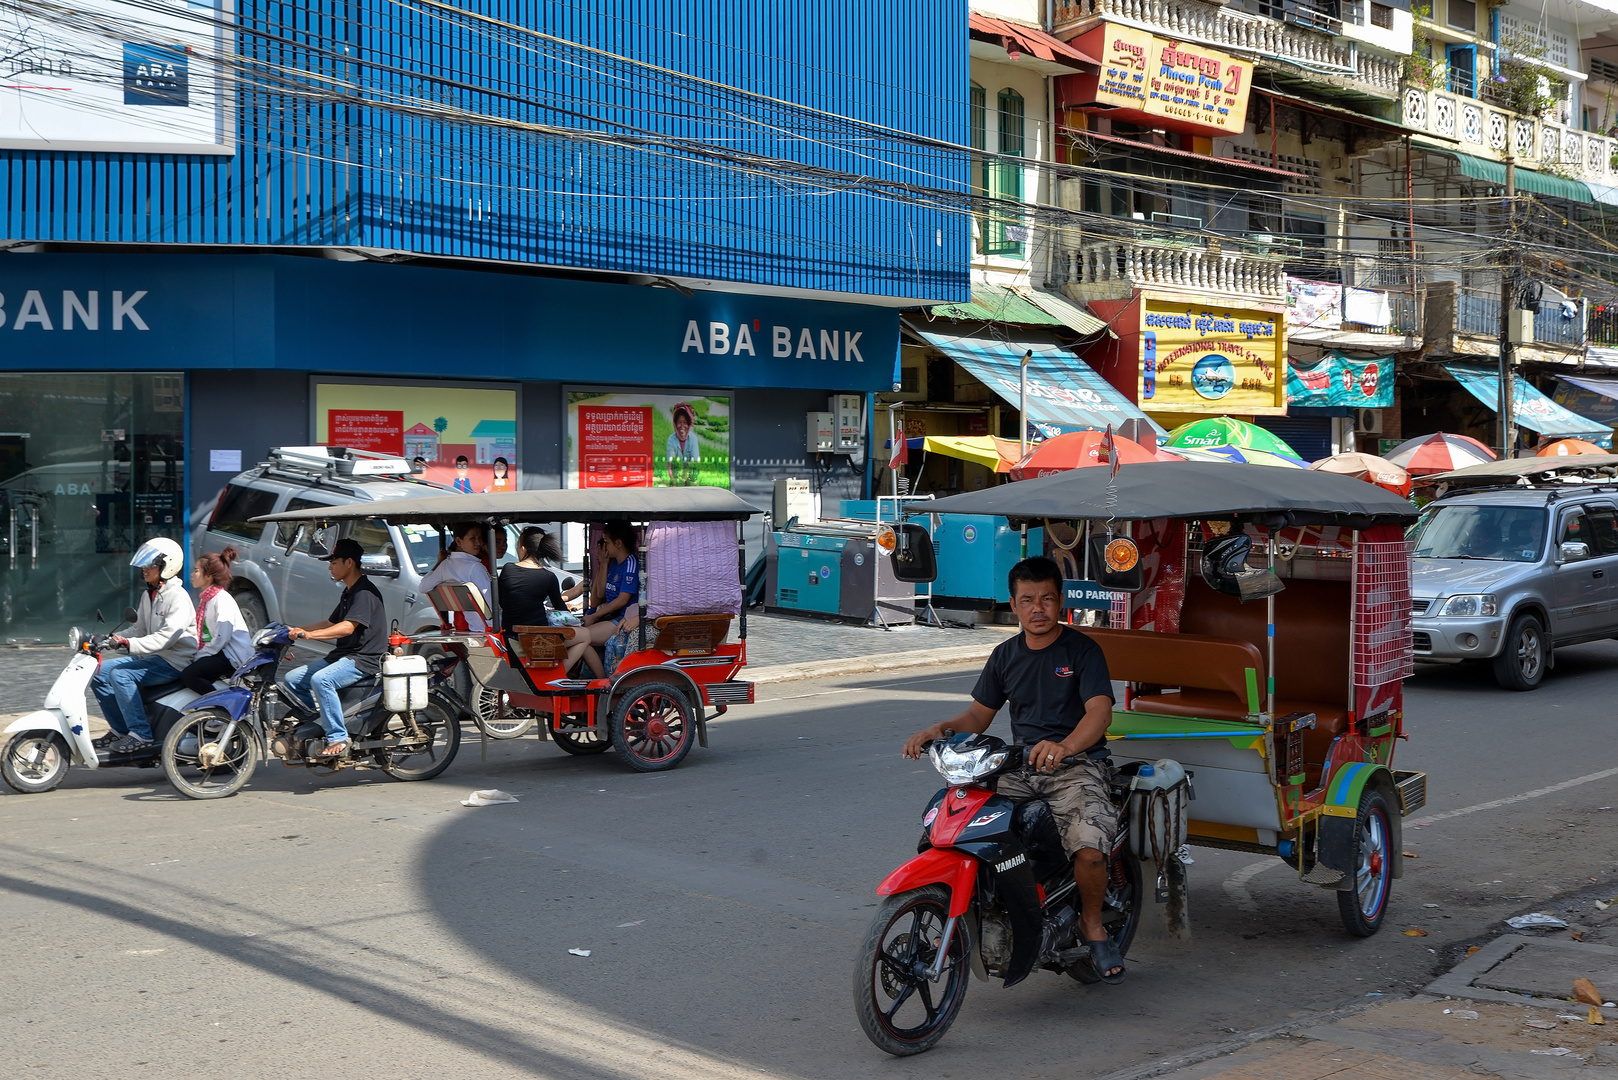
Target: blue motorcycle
[(211, 751)]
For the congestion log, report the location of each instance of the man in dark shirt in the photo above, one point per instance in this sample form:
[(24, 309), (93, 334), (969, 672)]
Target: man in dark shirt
[(1061, 700), (358, 630)]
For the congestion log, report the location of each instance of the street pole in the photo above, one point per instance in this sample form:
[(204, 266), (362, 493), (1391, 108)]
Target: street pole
[(1508, 297), (1022, 402)]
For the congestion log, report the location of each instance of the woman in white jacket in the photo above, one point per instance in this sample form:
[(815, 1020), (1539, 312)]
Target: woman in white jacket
[(223, 644)]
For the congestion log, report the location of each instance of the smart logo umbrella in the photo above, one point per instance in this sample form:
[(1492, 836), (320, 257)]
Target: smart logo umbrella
[(1241, 456), (1224, 431)]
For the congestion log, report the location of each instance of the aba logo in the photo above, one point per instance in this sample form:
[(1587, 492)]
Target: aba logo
[(154, 75), (1063, 672)]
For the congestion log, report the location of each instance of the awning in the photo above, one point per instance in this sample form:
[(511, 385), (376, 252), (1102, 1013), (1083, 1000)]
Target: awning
[(1065, 311), (1358, 382), (1492, 172), (1030, 40), (1604, 193), (1533, 410), (992, 303), (1064, 394), (1595, 399)]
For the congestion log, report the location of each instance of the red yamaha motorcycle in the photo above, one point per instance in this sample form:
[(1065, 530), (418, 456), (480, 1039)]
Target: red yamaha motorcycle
[(990, 889)]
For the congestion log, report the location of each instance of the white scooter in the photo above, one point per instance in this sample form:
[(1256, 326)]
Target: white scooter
[(40, 746)]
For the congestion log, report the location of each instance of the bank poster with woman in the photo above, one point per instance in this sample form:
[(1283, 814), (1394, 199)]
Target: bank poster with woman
[(628, 438)]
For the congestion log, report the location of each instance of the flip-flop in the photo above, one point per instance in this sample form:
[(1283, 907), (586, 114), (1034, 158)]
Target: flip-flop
[(1104, 954), (333, 750)]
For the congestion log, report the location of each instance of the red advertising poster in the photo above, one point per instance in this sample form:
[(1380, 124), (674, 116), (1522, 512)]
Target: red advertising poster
[(377, 430), (615, 447)]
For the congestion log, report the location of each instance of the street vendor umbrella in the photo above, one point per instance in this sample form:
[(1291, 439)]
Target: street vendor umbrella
[(1568, 448), (998, 454), (1367, 467), (1224, 431), (1438, 453), (1077, 450), (1241, 455)]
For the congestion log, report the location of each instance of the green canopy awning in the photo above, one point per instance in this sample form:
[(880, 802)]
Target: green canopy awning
[(991, 303), (1492, 172)]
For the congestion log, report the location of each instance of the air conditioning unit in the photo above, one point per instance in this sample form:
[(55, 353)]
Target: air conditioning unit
[(1367, 421)]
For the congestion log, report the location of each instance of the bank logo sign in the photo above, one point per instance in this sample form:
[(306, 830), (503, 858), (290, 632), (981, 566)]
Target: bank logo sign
[(34, 309), (154, 75), (781, 342)]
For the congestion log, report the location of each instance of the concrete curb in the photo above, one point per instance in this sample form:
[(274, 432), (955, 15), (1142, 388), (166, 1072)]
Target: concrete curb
[(859, 665)]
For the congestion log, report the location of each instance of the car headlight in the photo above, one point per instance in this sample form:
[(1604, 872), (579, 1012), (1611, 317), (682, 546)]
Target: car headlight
[(959, 767), (1471, 605)]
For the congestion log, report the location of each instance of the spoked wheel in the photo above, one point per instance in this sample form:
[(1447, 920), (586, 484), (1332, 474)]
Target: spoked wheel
[(486, 704), (652, 727), (424, 753), (1122, 915), (1365, 903), (902, 1010), (581, 745), (35, 761), (201, 763)]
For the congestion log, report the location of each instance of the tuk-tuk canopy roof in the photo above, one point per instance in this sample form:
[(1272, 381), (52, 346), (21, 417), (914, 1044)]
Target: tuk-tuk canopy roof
[(1504, 472), (1185, 489), (555, 504)]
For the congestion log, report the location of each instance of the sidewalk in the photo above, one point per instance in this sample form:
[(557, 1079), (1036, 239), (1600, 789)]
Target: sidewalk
[(779, 648)]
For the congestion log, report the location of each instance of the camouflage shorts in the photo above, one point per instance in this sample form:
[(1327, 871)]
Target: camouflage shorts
[(1080, 800)]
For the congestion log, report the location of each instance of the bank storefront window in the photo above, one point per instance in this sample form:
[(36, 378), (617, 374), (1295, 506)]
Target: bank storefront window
[(91, 465)]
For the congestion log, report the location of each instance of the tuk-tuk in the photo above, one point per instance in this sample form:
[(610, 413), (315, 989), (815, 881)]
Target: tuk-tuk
[(1260, 621), (679, 663)]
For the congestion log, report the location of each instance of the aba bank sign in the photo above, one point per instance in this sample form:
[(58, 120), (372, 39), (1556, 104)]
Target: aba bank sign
[(37, 309), (807, 343)]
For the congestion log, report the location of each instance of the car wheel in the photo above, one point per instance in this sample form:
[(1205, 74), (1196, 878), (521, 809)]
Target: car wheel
[(253, 613), (1522, 660)]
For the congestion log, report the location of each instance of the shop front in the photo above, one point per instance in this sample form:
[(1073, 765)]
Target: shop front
[(135, 386)]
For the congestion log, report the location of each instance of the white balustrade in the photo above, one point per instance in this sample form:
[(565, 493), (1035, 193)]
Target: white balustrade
[(1536, 143), (1140, 264)]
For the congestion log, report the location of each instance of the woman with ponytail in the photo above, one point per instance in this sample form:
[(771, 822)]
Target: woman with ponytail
[(530, 593), (223, 643)]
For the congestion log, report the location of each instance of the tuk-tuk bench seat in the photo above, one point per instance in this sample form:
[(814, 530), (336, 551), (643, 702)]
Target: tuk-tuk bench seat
[(543, 644), (690, 635)]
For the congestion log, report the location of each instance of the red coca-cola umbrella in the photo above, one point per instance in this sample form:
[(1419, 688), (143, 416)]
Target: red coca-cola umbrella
[(1078, 450), (1438, 453)]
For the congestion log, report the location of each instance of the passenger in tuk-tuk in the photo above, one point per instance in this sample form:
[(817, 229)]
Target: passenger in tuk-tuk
[(1060, 692), (620, 584), (463, 564), (530, 594)]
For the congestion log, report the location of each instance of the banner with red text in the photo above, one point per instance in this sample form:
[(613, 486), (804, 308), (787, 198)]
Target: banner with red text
[(627, 438)]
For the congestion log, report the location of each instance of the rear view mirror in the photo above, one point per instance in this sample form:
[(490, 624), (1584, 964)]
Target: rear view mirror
[(1128, 581), (130, 614), (1574, 550), (294, 537), (913, 556), (323, 541), (379, 565)]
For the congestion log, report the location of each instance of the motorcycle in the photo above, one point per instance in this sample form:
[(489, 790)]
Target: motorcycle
[(42, 745), (991, 890), (213, 749)]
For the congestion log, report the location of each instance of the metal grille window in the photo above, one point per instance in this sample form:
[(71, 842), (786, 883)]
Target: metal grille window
[(1603, 69), (1381, 16), (1463, 15), (1004, 232)]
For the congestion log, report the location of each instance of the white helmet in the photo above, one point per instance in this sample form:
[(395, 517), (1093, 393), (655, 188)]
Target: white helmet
[(163, 551)]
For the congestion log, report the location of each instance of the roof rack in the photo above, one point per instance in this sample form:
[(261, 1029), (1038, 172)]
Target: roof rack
[(338, 461)]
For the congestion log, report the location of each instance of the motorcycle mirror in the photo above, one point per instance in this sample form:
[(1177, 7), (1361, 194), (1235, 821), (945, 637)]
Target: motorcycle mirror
[(913, 556), (100, 618), (568, 581), (130, 614)]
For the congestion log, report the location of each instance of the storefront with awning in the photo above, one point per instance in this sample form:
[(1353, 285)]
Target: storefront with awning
[(1591, 397), (1532, 409)]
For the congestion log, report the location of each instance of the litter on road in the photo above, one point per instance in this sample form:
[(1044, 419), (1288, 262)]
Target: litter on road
[(488, 797), (579, 952), (1537, 920)]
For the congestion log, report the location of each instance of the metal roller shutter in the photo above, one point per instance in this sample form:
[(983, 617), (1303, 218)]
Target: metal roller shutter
[(1310, 437)]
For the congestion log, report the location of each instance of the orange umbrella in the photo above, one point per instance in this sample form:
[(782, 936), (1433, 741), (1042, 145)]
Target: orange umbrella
[(1076, 450), (1367, 467), (1569, 447)]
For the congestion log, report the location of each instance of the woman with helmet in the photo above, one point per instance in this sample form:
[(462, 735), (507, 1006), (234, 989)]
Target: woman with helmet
[(161, 644)]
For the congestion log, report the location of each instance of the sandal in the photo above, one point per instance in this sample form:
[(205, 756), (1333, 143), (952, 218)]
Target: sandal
[(333, 750), (1104, 955)]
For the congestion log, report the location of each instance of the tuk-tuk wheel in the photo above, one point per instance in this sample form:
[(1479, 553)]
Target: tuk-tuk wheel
[(1365, 901), (597, 742), (653, 726)]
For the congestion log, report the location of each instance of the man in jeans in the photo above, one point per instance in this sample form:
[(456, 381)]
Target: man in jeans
[(358, 629)]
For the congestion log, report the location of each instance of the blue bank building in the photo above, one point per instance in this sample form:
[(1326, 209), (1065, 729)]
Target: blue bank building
[(590, 239)]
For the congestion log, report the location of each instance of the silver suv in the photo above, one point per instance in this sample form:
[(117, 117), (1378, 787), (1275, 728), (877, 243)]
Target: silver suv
[(275, 585), (1508, 576)]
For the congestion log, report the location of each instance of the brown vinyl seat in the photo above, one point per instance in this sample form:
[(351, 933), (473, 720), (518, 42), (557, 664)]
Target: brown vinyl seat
[(1212, 672)]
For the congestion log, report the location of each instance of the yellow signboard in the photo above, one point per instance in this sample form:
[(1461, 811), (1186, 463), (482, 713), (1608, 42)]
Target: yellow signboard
[(1177, 85), (1205, 359)]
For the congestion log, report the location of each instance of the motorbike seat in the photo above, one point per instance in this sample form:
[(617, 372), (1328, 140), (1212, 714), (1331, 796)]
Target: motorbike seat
[(1035, 826), (361, 696), (151, 693)]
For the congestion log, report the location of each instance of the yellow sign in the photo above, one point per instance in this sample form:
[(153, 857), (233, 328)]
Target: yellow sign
[(1205, 359), (1183, 86)]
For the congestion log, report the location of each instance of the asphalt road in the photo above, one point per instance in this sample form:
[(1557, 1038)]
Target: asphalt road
[(357, 926)]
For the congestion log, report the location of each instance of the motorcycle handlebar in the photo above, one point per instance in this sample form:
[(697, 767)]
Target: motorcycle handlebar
[(1018, 752)]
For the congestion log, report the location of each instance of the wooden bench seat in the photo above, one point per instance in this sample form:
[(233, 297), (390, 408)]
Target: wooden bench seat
[(690, 635), (545, 645)]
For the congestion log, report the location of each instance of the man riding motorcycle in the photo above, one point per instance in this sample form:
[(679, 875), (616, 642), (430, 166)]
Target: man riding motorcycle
[(1057, 683), (161, 643)]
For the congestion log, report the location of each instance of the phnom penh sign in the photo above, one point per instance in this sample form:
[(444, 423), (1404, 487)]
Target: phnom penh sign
[(1171, 84), (1207, 359)]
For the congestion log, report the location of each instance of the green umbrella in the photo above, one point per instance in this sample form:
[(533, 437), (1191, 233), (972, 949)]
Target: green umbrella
[(1224, 431)]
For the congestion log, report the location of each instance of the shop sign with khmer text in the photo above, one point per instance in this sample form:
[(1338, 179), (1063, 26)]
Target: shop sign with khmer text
[(1206, 359), (1173, 84)]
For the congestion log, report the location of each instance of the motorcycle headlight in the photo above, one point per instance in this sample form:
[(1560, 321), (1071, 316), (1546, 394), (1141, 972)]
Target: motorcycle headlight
[(963, 767), (1471, 605), (75, 639)]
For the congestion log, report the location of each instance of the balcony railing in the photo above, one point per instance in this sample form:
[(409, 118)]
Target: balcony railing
[(1488, 130), (1211, 24), (1401, 317), (1478, 312), (1113, 267)]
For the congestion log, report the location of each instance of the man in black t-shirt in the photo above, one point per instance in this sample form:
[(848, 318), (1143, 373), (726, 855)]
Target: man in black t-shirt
[(358, 630), (1056, 682)]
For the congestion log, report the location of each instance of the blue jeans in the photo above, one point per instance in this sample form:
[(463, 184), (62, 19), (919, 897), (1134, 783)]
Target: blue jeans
[(117, 684), (322, 679)]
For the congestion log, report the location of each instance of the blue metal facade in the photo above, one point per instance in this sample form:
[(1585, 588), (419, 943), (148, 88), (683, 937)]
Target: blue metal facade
[(616, 144)]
